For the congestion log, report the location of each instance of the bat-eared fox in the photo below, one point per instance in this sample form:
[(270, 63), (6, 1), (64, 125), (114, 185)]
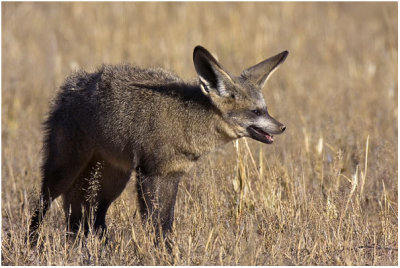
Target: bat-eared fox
[(123, 120)]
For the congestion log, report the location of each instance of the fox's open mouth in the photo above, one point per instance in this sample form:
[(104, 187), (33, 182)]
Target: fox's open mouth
[(260, 135)]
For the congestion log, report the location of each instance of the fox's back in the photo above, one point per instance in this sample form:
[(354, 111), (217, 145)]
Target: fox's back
[(116, 90), (126, 75), (112, 80)]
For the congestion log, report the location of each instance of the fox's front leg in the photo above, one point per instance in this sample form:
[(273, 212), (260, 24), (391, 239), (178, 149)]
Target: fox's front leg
[(157, 196)]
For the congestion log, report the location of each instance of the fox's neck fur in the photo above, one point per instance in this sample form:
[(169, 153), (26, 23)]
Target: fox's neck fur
[(204, 126)]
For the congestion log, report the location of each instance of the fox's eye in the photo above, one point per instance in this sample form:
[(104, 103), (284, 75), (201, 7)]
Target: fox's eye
[(256, 112)]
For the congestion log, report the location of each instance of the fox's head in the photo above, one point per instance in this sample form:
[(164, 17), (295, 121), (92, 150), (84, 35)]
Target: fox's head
[(239, 99)]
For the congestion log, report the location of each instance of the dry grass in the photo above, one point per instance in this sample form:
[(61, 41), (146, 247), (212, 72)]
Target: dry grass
[(325, 193)]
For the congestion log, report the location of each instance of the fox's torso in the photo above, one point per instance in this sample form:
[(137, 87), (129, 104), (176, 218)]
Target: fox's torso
[(146, 117)]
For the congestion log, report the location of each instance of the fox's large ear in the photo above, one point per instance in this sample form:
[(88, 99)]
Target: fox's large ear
[(213, 78), (259, 73)]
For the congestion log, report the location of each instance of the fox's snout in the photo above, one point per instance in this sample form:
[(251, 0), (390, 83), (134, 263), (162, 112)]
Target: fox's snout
[(265, 128), (282, 127), (271, 125), (274, 126)]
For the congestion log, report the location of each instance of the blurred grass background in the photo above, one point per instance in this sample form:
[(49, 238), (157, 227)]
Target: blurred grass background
[(325, 193)]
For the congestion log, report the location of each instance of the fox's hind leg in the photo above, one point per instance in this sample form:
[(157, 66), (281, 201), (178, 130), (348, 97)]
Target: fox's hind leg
[(67, 152), (113, 182), (76, 201), (94, 190)]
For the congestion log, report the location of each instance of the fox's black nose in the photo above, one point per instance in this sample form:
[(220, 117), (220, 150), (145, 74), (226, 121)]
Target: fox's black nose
[(282, 128)]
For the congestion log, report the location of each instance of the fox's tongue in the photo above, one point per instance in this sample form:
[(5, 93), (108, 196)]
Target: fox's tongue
[(269, 137)]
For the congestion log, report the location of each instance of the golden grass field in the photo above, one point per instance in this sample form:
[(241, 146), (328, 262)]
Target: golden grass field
[(326, 191)]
